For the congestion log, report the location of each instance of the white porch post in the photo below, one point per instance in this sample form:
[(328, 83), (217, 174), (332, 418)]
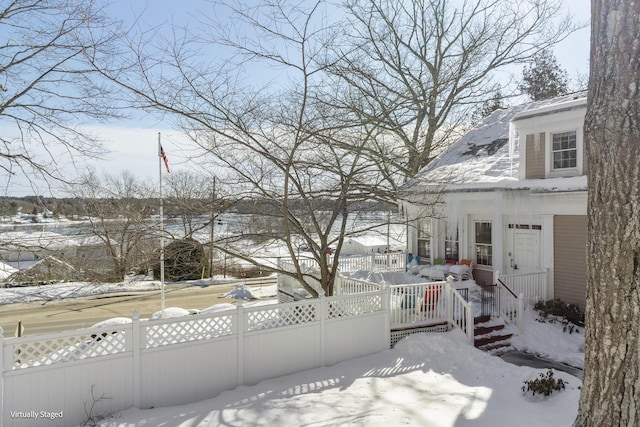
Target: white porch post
[(547, 254), (498, 233)]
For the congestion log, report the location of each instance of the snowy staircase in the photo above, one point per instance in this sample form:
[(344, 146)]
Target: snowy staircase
[(490, 334)]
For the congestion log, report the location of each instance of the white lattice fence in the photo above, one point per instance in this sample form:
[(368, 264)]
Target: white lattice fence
[(354, 305), (28, 352), (159, 333), (288, 314), (248, 344)]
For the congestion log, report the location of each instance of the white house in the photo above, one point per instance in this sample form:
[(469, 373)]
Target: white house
[(511, 195), (364, 245)]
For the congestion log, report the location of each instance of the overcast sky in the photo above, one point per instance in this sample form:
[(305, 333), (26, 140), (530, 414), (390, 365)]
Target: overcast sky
[(133, 145)]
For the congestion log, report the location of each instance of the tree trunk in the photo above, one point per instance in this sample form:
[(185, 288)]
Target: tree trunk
[(610, 394)]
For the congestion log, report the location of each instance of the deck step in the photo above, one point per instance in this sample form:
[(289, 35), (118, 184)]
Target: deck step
[(484, 330), (497, 348), (481, 319), (490, 334), (491, 339)]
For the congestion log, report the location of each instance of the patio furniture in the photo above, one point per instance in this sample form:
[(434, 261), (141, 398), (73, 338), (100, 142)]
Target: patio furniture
[(431, 296)]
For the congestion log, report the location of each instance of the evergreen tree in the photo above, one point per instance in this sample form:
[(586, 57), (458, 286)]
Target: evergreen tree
[(488, 106), (543, 78)]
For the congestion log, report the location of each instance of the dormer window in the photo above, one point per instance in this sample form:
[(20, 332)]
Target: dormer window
[(564, 151)]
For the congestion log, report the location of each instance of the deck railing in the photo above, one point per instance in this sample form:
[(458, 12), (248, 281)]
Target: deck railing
[(374, 262), (348, 286), (460, 311), (287, 285), (414, 305), (510, 306), (424, 304), (532, 286)]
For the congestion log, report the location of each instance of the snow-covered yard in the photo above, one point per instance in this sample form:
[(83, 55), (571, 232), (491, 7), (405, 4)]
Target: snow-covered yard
[(434, 379)]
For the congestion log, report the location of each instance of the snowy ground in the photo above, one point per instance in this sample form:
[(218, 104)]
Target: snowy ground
[(84, 289), (426, 380), (435, 379)]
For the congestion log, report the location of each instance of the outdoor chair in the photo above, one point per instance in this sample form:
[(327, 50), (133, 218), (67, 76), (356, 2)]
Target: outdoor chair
[(431, 296), (466, 275)]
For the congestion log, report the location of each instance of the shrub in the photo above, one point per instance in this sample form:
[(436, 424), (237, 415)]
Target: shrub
[(569, 315), (545, 384), (184, 260)]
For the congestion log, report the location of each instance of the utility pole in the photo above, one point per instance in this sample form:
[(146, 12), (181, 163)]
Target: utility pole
[(388, 238), (213, 221)]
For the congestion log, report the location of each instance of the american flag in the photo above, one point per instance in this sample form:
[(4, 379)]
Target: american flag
[(164, 157)]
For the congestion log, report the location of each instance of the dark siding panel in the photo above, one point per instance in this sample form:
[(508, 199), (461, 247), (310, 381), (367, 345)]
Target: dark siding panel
[(570, 258), (483, 277), (534, 167)]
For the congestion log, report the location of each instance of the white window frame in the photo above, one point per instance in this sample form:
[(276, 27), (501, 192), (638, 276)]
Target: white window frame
[(553, 152), (424, 233), (477, 246), (452, 242), (550, 171)]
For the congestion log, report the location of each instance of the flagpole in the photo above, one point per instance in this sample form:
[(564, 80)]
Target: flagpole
[(161, 230)]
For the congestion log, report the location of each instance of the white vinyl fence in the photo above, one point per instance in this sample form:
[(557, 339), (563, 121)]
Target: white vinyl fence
[(180, 360)]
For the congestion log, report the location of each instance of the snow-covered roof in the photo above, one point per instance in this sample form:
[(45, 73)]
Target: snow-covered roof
[(6, 270), (487, 157), (373, 240)]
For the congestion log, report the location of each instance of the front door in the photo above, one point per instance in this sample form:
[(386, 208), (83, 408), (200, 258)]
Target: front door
[(523, 255)]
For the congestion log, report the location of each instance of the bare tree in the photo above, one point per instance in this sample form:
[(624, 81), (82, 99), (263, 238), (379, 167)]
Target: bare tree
[(610, 391), (419, 68), (304, 164), (47, 88), (119, 213), (189, 197)]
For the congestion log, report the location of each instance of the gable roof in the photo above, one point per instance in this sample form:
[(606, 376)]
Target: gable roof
[(487, 157)]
